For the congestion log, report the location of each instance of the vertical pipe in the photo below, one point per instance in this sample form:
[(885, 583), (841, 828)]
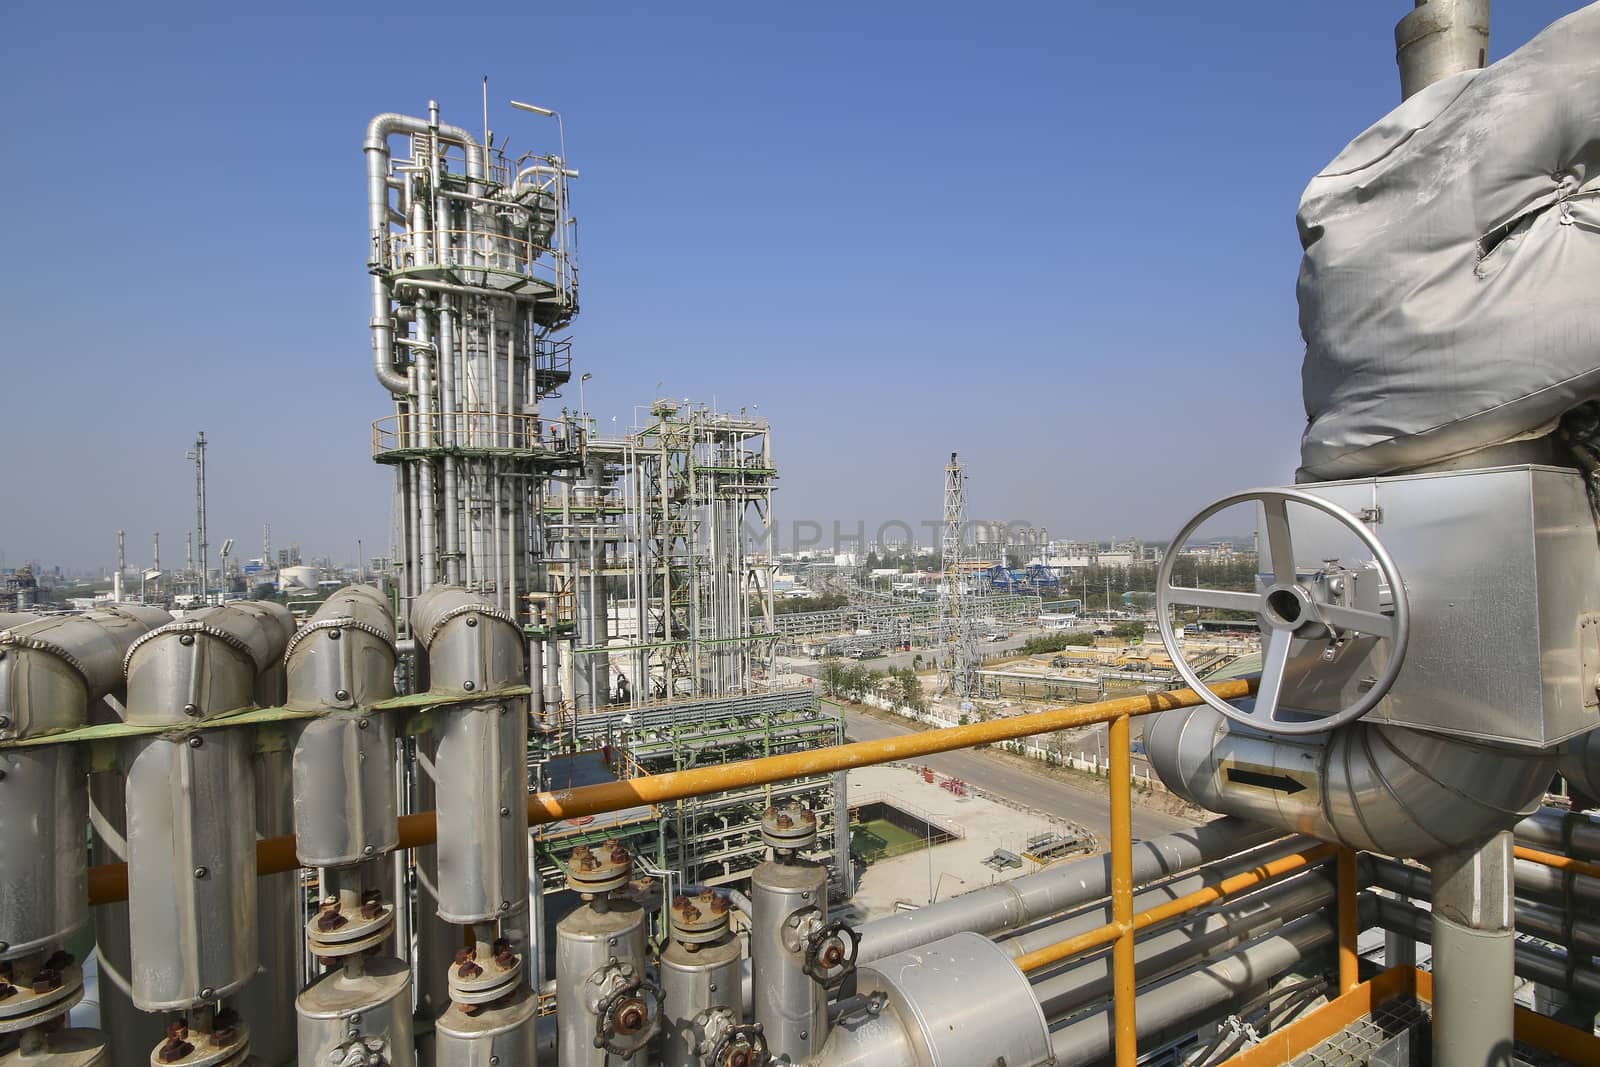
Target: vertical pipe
[(1349, 922), (1474, 941), (1122, 958)]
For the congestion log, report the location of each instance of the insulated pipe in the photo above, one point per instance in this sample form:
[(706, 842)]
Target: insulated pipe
[(109, 882), (1012, 904), (1580, 763), (1473, 951), (1556, 969), (1087, 981), (1544, 921), (1098, 914), (1183, 1002), (1570, 832), (1369, 787)]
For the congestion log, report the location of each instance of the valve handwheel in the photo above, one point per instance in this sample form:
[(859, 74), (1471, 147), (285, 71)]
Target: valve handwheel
[(742, 1046), (1287, 610)]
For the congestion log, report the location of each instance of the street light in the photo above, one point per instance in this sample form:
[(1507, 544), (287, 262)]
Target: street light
[(549, 113), (582, 407)]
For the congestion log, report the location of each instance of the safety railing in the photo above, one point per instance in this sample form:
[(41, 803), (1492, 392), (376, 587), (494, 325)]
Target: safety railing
[(108, 883), (472, 430), (490, 251)]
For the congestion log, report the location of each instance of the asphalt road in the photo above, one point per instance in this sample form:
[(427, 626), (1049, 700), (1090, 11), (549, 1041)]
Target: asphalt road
[(1042, 792)]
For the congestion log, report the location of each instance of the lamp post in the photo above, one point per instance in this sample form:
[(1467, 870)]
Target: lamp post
[(583, 409)]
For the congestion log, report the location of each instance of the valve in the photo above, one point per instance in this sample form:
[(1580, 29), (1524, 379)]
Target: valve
[(1296, 609), (628, 1016), (831, 953), (360, 1052), (741, 1045)]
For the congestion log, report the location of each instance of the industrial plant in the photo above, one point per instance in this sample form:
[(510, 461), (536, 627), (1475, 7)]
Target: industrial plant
[(573, 772)]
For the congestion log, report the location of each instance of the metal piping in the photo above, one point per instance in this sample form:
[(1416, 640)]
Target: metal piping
[(1579, 763), (1087, 981), (1533, 917), (1440, 38), (1373, 788), (1179, 1004), (376, 146), (1020, 901)]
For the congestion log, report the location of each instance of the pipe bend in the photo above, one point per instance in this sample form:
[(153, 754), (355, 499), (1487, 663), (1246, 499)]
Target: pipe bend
[(1367, 786), (1579, 763)]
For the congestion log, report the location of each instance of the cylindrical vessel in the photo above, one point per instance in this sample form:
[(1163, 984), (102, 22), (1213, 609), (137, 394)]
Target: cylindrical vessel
[(481, 767), (191, 867), (586, 942), (693, 983), (44, 857), (344, 789), (956, 1001), (369, 1002), (791, 1007), (498, 1036)]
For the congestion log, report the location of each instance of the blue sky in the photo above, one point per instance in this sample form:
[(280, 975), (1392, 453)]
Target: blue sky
[(1057, 238)]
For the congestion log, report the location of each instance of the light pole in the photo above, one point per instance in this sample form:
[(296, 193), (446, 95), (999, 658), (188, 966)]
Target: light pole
[(583, 409)]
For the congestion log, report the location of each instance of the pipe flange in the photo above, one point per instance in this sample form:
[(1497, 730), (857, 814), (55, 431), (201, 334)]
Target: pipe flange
[(700, 919), (336, 930), (225, 1044), (37, 991), (360, 1052), (341, 623), (628, 1017), (600, 869), (484, 973), (743, 1045), (831, 954), (789, 827)]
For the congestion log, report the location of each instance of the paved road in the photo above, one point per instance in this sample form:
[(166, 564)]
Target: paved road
[(998, 777)]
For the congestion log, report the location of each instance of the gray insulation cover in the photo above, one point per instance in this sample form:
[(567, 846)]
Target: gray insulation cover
[(1450, 289)]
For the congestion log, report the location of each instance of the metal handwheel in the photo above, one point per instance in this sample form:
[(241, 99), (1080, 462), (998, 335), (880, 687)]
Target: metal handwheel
[(1287, 610)]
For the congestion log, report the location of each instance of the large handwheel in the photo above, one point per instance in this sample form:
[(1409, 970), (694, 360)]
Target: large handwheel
[(1287, 610)]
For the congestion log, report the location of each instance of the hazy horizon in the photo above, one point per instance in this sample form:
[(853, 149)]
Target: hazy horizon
[(1056, 239)]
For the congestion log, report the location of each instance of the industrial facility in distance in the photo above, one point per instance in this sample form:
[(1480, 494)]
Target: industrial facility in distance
[(585, 769)]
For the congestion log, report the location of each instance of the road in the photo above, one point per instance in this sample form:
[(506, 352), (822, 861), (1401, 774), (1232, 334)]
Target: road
[(813, 668), (1081, 804)]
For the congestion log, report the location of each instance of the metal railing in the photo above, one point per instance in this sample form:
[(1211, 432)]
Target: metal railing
[(108, 883), (487, 251), (472, 429)]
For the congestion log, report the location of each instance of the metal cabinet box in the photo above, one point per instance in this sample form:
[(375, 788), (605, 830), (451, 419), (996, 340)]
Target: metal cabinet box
[(1502, 570)]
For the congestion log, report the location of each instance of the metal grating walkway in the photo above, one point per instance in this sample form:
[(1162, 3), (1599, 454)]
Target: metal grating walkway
[(1379, 1038)]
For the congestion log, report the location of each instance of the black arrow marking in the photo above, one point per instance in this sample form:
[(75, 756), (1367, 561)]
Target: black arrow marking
[(1282, 783)]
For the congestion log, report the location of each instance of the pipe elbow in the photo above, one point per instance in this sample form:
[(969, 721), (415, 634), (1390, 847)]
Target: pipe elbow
[(472, 645), (215, 656), (344, 656), (1579, 763), (1367, 786)]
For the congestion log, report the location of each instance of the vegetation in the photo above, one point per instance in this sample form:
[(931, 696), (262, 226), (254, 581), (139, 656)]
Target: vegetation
[(1035, 646), (825, 602), (851, 681), (1128, 631)]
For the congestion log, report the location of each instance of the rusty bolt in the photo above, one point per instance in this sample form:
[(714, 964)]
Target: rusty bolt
[(631, 1016), (7, 990), (468, 969), (329, 921), (580, 852), (769, 813), (807, 815), (619, 854), (680, 901), (505, 959), (784, 820), (46, 980), (462, 956), (173, 1050), (371, 904), (225, 1029), (719, 904)]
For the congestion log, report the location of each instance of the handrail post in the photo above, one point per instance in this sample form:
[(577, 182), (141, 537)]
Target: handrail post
[(1122, 971), (1349, 923)]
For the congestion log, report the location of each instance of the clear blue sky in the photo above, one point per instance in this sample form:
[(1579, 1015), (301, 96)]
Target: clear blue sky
[(1057, 238)]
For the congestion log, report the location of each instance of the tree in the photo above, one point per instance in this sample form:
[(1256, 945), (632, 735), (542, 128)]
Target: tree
[(1128, 631)]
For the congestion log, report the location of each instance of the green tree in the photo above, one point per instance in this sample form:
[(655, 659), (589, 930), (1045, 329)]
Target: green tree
[(1128, 631)]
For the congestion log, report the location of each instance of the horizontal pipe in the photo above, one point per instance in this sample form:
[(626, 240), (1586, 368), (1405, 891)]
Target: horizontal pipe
[(1564, 864), (1085, 982), (1559, 970), (1572, 833), (1060, 925), (108, 883), (1533, 917), (1200, 898), (1185, 1000)]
